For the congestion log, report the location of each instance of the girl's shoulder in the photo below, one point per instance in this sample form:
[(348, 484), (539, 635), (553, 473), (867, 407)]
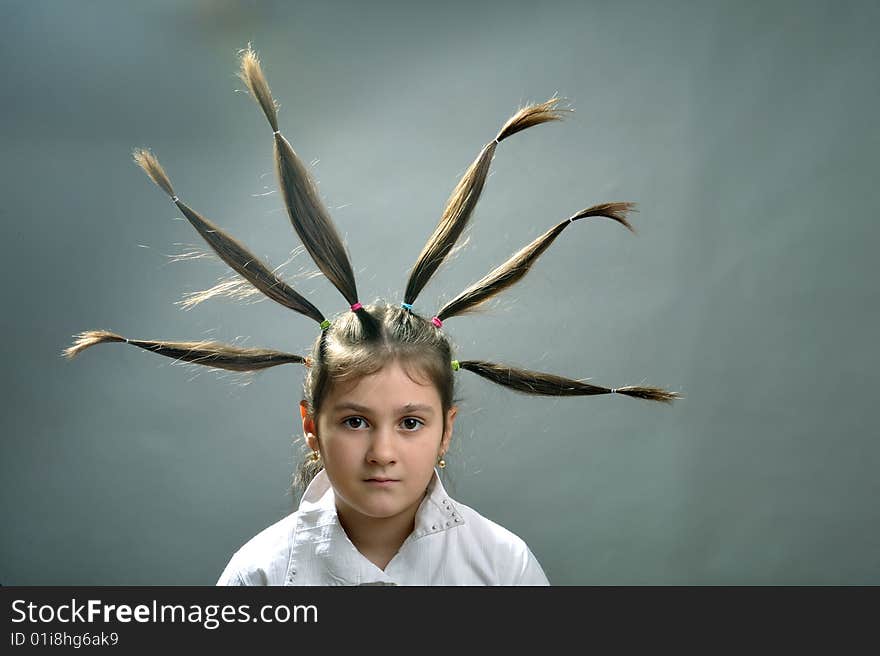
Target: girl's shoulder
[(504, 553), (490, 534), (263, 559), (490, 531)]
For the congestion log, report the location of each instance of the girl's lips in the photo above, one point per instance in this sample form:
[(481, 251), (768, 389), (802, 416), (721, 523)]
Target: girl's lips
[(382, 482)]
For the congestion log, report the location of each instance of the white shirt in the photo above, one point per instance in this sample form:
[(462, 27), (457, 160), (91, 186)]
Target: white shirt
[(451, 544)]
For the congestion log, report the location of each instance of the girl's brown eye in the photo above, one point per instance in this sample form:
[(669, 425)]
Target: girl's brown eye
[(411, 423), (350, 419)]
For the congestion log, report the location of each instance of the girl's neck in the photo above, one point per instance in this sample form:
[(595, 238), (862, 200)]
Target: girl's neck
[(378, 539)]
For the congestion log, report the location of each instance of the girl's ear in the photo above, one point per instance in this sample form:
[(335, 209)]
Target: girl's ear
[(447, 434), (309, 428)]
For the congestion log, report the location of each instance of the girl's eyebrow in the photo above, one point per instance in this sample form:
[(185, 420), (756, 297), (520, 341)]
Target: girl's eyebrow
[(409, 407)]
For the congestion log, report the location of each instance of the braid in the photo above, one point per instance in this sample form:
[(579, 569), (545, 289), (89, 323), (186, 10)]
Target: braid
[(307, 213), (208, 353), (543, 384), (515, 268), (467, 192), (229, 249)]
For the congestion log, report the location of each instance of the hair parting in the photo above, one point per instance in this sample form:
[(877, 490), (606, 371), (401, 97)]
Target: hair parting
[(308, 215), (519, 264), (207, 353), (242, 261), (543, 384), (467, 192)]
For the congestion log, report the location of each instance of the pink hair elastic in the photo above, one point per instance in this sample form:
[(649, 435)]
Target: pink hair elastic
[(436, 321), (356, 307)]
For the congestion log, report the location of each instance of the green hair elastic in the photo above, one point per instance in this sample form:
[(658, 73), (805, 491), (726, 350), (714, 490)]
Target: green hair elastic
[(455, 365), (325, 324)]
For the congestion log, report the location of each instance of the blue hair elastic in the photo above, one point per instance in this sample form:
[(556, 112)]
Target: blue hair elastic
[(408, 306)]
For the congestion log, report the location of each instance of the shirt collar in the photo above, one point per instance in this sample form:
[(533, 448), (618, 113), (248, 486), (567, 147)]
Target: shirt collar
[(437, 512), (317, 529)]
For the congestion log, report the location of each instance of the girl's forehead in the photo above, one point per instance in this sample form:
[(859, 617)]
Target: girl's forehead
[(393, 385)]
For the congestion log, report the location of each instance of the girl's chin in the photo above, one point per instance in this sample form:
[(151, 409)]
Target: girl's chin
[(381, 508)]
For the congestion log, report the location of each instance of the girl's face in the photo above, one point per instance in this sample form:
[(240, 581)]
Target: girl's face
[(379, 438)]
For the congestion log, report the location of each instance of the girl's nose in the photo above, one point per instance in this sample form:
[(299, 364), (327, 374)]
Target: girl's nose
[(381, 451)]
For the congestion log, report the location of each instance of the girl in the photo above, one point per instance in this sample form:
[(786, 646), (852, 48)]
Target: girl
[(377, 411)]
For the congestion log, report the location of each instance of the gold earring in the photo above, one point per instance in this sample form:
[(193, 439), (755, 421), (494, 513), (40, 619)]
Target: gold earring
[(441, 463), (314, 456)]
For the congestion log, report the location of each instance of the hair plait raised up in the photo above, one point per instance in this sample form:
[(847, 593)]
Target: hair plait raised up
[(307, 213), (467, 192), (348, 344)]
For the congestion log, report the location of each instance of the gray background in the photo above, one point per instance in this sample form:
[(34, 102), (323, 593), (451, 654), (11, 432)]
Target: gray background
[(746, 131)]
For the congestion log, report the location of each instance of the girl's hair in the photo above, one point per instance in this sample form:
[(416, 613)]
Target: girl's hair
[(362, 341)]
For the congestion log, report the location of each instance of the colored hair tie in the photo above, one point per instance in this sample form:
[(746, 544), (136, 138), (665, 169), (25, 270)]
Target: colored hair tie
[(175, 199), (408, 306), (356, 307), (456, 365), (325, 324), (436, 321)]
